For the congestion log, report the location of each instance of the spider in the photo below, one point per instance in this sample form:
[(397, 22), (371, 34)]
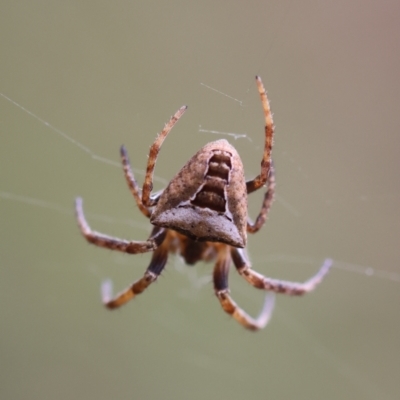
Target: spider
[(202, 215)]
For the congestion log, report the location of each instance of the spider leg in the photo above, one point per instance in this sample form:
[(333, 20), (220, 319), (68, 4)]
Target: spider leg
[(253, 227), (157, 264), (113, 243), (133, 186), (262, 282), (262, 178), (220, 277), (151, 162)]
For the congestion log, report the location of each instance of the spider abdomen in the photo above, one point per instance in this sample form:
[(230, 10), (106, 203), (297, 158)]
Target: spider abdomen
[(205, 200), (212, 196)]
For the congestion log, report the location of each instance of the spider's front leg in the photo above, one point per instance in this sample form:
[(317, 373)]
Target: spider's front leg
[(259, 281), (220, 277), (262, 178), (151, 162), (157, 264), (113, 243)]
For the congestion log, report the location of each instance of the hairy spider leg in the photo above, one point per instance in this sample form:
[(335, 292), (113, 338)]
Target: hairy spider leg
[(260, 281), (157, 264), (132, 184), (113, 243), (154, 150), (262, 178), (269, 196), (220, 278)]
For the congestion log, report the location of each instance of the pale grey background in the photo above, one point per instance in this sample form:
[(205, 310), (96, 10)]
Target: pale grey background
[(107, 73)]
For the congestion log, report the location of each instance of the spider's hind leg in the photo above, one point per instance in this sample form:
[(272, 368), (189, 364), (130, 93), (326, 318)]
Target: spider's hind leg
[(253, 227), (157, 264), (220, 278), (262, 178), (151, 162), (132, 184)]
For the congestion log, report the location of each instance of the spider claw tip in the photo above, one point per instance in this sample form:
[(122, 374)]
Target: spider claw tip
[(328, 263), (266, 312), (106, 290)]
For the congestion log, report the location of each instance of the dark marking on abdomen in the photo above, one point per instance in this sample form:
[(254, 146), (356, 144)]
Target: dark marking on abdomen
[(211, 195)]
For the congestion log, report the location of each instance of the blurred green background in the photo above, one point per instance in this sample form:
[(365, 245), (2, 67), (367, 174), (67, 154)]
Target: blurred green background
[(112, 73)]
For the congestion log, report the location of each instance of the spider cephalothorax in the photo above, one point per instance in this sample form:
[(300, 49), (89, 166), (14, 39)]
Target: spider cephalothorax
[(202, 215)]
